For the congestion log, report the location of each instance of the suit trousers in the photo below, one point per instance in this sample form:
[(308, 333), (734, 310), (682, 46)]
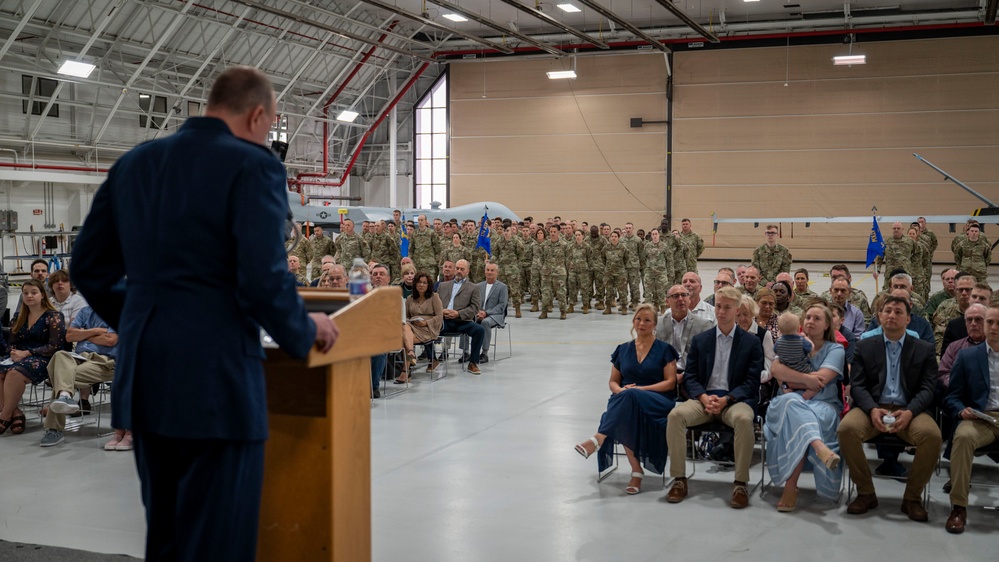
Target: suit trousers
[(970, 435), (922, 432), (487, 324), (738, 416), (202, 497), (471, 329), (67, 372)]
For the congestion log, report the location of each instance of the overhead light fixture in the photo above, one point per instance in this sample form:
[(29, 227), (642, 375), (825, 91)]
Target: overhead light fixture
[(747, 1), (76, 68), (455, 17), (845, 60), (347, 116), (561, 74), (568, 8)]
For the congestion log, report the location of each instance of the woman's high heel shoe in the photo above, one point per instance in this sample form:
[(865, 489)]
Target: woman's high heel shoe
[(581, 448)]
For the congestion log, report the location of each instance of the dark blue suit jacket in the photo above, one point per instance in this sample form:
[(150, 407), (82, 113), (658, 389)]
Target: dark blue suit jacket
[(744, 366), (969, 380), (195, 223)]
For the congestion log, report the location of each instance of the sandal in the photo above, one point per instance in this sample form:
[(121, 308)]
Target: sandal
[(412, 357), (785, 506), (582, 450), (632, 490), (17, 424), (4, 424), (828, 458)]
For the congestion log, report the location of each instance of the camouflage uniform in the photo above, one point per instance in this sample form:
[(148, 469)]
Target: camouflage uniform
[(536, 260), (525, 266), (554, 256), (597, 268), (947, 311), (929, 240), (425, 249), (453, 254), (658, 260), (922, 269), (899, 254), (973, 257), (304, 253), (385, 250), (771, 261), (580, 279), (858, 299), (508, 254), (615, 276), (320, 246), (477, 259), (348, 247), (695, 247), (934, 301), (633, 266), (681, 259), (801, 298)]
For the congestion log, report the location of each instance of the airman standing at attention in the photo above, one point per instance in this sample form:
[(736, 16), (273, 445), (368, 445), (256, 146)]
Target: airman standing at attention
[(385, 250), (579, 269), (455, 251), (525, 261), (304, 253), (681, 257), (537, 259), (508, 251), (321, 245), (964, 235), (973, 254), (425, 248), (771, 258), (350, 245), (899, 253), (554, 255), (596, 242), (922, 267), (615, 275), (694, 244), (439, 227), (927, 235), (633, 266), (658, 271)]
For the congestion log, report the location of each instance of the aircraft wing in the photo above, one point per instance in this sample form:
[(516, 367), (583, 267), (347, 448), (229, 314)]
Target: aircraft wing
[(905, 219)]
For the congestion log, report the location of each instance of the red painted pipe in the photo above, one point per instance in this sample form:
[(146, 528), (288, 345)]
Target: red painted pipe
[(53, 167)]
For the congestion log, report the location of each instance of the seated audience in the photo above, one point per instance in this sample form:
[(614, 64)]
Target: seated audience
[(746, 319), (981, 294), (64, 298), (853, 317), (802, 294), (783, 296), (91, 363), (974, 387), (447, 273), (724, 278), (722, 379), (333, 278), (692, 282), (750, 281), (461, 303), (765, 316), (892, 382), (295, 266), (424, 318), (38, 332), (974, 319), (643, 392), (380, 277), (325, 265), (678, 327), (494, 295), (801, 422), (406, 279)]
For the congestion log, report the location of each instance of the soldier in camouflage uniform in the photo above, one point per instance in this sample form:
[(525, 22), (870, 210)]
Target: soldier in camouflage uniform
[(681, 258), (580, 273), (633, 267), (598, 241), (385, 250), (899, 254), (525, 261), (956, 241), (303, 251), (508, 251), (321, 245), (947, 279), (952, 308), (927, 235), (658, 258), (477, 265), (350, 245), (802, 293), (973, 254), (425, 248), (537, 259), (456, 251), (922, 268), (294, 265), (694, 246), (615, 275), (554, 255), (771, 258)]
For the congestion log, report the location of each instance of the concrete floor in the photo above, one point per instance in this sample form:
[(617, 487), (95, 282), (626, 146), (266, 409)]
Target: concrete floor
[(482, 469)]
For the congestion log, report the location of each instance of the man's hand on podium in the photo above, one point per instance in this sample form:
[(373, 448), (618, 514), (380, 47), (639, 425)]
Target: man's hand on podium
[(326, 331)]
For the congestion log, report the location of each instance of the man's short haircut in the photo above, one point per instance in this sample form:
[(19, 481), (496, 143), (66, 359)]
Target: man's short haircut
[(728, 270), (892, 298), (380, 265), (240, 89), (769, 226), (959, 275), (57, 276), (981, 285), (40, 261), (975, 305), (839, 278), (903, 277), (841, 267), (802, 271), (684, 220), (730, 293)]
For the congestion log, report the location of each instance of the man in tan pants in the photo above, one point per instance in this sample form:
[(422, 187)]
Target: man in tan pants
[(722, 379), (892, 381), (93, 362), (972, 380)]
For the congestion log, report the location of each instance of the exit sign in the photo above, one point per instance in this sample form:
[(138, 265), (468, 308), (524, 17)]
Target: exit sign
[(36, 211)]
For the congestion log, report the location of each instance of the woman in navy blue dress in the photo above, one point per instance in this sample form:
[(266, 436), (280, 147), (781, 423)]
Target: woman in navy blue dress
[(643, 387)]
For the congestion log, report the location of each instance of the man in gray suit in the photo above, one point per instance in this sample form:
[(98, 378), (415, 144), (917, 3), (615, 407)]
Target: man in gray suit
[(677, 327), (494, 296), (461, 303)]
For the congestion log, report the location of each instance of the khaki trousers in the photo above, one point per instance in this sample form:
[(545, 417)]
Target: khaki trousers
[(922, 432), (970, 435), (67, 373), (688, 413)]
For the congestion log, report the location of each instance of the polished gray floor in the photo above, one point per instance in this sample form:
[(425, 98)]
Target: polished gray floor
[(481, 468)]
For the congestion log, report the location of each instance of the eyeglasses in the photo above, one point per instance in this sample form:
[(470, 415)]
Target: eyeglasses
[(974, 320), (678, 296), (768, 233), (963, 289), (721, 282)]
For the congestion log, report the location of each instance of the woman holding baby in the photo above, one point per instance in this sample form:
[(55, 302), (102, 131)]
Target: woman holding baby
[(801, 423)]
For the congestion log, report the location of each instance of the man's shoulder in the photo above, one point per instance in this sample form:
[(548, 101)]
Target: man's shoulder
[(972, 350)]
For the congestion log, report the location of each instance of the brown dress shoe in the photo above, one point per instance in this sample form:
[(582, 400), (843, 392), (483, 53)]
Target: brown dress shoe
[(915, 510), (740, 495), (473, 368), (677, 491), (863, 504), (957, 520)]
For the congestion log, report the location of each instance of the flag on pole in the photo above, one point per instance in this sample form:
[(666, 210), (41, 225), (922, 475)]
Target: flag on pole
[(403, 237), (483, 239), (876, 244)]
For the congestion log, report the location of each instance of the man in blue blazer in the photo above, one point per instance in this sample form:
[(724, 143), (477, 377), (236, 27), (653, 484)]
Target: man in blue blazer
[(974, 375), (184, 242), (722, 379)]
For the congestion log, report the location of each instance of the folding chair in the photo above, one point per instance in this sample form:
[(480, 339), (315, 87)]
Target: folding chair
[(712, 427), (509, 335), (619, 452), (395, 359)]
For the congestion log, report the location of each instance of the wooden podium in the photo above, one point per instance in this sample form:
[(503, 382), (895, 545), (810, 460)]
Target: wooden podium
[(316, 502)]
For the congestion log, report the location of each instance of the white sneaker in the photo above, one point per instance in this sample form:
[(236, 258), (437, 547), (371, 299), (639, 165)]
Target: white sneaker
[(64, 405)]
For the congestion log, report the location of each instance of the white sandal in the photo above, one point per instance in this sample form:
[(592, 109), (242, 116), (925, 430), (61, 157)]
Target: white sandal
[(582, 450), (632, 490)]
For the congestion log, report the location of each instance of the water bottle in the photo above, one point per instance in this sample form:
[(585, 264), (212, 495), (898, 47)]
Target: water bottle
[(358, 280)]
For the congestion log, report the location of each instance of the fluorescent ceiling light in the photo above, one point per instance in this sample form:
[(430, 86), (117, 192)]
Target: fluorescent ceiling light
[(76, 68), (750, 0), (561, 74), (844, 60), (347, 116), (569, 8), (455, 17)]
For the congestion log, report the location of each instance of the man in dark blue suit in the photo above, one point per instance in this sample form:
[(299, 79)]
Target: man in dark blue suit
[(722, 379), (184, 243), (973, 381)]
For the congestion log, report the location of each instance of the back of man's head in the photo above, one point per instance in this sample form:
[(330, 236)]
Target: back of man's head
[(240, 89)]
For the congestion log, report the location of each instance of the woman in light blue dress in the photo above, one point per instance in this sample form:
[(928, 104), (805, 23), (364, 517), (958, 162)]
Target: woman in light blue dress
[(801, 424)]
